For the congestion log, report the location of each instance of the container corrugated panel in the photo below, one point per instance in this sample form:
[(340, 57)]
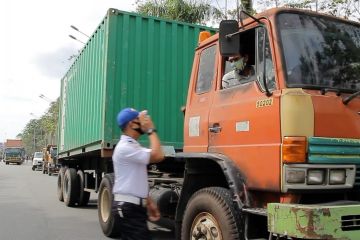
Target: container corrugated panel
[(130, 61)]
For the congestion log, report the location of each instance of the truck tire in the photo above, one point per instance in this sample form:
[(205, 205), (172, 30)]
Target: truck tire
[(108, 219), (213, 210), (60, 182), (84, 196), (70, 187)]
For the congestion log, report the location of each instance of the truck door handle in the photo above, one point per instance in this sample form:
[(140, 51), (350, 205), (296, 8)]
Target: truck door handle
[(215, 128)]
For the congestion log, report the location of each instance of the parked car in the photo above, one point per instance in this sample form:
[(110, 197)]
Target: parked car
[(37, 161)]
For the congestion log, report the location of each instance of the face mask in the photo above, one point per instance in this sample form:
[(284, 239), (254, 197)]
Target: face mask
[(238, 64), (139, 130)]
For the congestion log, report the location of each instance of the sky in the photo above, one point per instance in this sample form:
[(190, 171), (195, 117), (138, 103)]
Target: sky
[(34, 50)]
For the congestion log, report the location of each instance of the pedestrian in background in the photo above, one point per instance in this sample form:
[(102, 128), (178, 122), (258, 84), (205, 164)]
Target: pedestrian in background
[(131, 187)]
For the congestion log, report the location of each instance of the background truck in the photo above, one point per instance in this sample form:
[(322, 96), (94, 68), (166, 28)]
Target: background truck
[(14, 151), (50, 163), (275, 155)]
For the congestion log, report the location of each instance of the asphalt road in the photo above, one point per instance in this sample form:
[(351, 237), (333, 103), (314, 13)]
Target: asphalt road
[(29, 209)]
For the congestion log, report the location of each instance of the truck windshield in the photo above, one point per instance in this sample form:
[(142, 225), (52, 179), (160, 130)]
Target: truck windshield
[(320, 52), (10, 151)]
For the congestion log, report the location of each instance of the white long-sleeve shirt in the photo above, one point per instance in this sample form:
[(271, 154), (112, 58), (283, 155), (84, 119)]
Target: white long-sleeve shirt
[(130, 162)]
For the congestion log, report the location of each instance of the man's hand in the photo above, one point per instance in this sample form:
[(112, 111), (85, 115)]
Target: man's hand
[(145, 121), (153, 210)]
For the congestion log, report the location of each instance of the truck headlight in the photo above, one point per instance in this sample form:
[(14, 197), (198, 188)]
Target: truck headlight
[(295, 176), (315, 176), (337, 176)]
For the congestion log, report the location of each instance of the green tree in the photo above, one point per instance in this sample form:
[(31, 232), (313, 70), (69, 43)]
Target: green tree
[(33, 136), (49, 121), (191, 11), (37, 133), (340, 8), (247, 5)]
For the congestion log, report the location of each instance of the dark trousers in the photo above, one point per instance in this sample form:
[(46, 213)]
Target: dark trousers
[(133, 221)]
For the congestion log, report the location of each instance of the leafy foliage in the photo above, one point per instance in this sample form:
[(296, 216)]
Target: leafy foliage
[(40, 132), (247, 5), (193, 11), (349, 9), (190, 11)]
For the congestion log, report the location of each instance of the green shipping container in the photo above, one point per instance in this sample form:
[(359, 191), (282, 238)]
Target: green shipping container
[(129, 61)]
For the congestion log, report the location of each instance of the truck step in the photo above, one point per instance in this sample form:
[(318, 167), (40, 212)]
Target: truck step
[(256, 211)]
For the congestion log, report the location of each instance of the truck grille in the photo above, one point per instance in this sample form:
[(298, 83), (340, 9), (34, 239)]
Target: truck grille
[(350, 222), (335, 151)]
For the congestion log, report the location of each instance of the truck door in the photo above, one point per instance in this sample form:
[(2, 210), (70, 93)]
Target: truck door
[(244, 123), (199, 100)]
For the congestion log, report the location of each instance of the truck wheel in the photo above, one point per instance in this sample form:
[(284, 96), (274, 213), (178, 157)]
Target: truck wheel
[(109, 220), (7, 163), (70, 187), (84, 196), (60, 182), (210, 214), (33, 168)]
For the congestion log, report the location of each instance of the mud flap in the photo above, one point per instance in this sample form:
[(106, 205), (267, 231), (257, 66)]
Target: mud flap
[(314, 221)]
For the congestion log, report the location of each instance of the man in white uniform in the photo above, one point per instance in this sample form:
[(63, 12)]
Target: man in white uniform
[(130, 161)]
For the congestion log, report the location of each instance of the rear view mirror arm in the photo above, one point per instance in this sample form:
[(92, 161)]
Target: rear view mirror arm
[(242, 26)]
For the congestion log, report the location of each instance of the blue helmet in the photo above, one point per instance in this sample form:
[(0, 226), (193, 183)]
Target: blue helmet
[(125, 116)]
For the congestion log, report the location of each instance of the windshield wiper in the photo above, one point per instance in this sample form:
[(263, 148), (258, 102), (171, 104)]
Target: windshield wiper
[(325, 90), (351, 97)]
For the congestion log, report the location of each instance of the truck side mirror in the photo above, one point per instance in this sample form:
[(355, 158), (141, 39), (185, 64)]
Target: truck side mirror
[(229, 45)]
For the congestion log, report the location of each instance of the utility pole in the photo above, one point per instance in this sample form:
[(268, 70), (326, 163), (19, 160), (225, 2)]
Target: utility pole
[(225, 9), (238, 10), (34, 139)]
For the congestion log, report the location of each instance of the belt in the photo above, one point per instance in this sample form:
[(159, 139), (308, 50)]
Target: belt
[(130, 199)]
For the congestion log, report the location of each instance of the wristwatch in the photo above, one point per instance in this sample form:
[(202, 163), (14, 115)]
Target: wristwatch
[(150, 131)]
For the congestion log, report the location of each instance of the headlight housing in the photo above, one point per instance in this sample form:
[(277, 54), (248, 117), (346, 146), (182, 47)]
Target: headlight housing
[(337, 176), (295, 176), (315, 176)]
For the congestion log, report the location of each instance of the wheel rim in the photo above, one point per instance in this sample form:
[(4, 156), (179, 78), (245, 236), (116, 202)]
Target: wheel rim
[(205, 227), (105, 205)]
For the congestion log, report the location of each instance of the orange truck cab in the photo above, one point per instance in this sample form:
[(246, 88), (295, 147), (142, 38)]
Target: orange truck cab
[(285, 134)]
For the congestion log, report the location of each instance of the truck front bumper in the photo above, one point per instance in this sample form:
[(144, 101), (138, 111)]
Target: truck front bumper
[(14, 160), (314, 221)]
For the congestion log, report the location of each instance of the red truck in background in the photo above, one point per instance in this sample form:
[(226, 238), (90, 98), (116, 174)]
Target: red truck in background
[(14, 151)]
